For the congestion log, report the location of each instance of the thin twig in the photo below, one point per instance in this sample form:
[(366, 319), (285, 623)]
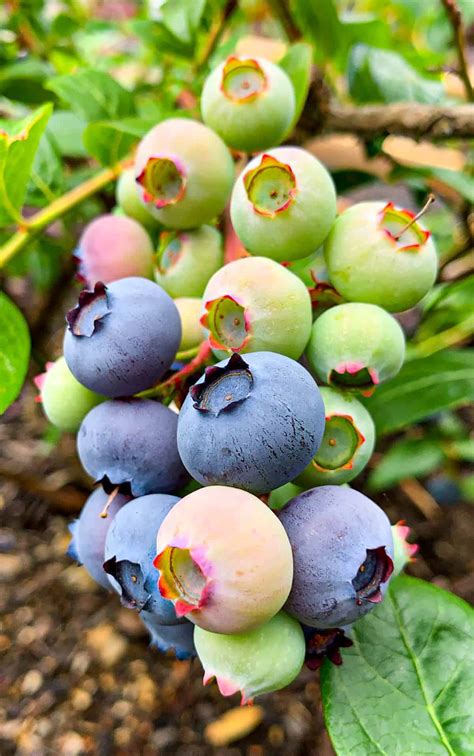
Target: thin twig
[(215, 34), (412, 119), (430, 199), (30, 227), (420, 498), (281, 10), (455, 19)]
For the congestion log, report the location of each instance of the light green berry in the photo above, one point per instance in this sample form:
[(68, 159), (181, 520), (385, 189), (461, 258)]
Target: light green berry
[(253, 663), (65, 401)]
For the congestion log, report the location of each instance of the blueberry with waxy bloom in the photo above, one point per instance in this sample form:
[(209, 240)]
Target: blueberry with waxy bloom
[(123, 337), (129, 554), (165, 638), (64, 400), (347, 445), (249, 102), (254, 305), (253, 424), (252, 663), (113, 247), (378, 253), (283, 204), (355, 347), (131, 443), (343, 555), (186, 260), (224, 560), (90, 530), (184, 173)]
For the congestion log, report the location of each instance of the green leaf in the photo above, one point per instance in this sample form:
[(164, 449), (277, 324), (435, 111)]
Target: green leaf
[(93, 95), (14, 351), (462, 449), (182, 17), (376, 75), (318, 20), (406, 686), (24, 80), (66, 129), (19, 141), (46, 181), (110, 141), (461, 182), (297, 63), (407, 458), (423, 387)]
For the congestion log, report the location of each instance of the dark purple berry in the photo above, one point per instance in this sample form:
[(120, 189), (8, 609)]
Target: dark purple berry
[(129, 552), (342, 555), (132, 443), (122, 338), (89, 532), (253, 424)]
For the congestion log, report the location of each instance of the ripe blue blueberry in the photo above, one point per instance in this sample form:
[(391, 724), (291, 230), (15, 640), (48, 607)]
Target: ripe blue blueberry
[(132, 443), (176, 638), (130, 548), (252, 424), (122, 338), (342, 550), (89, 532)]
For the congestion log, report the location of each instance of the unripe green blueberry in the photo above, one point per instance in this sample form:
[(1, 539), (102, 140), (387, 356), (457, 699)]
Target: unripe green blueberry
[(283, 204), (370, 261), (191, 329), (65, 401), (355, 347), (254, 305), (224, 560), (128, 200), (314, 273), (186, 260), (253, 663), (185, 173), (249, 102), (347, 444)]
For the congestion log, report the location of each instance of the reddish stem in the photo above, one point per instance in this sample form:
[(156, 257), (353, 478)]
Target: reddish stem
[(173, 384)]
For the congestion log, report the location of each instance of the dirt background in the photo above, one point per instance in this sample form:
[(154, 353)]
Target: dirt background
[(77, 675)]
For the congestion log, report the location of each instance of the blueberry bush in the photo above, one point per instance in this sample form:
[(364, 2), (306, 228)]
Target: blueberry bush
[(269, 314)]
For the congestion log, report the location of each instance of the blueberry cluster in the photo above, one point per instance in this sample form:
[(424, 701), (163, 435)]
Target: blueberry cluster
[(222, 513)]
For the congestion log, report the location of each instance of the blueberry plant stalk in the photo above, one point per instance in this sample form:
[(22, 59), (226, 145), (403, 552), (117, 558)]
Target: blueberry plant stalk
[(44, 218)]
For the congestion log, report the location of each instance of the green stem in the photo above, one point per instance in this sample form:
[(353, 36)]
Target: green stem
[(32, 226), (448, 338)]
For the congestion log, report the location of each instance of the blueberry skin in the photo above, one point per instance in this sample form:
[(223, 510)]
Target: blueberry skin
[(261, 441), (330, 529), (130, 549), (132, 441), (176, 638), (89, 532), (132, 346)]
